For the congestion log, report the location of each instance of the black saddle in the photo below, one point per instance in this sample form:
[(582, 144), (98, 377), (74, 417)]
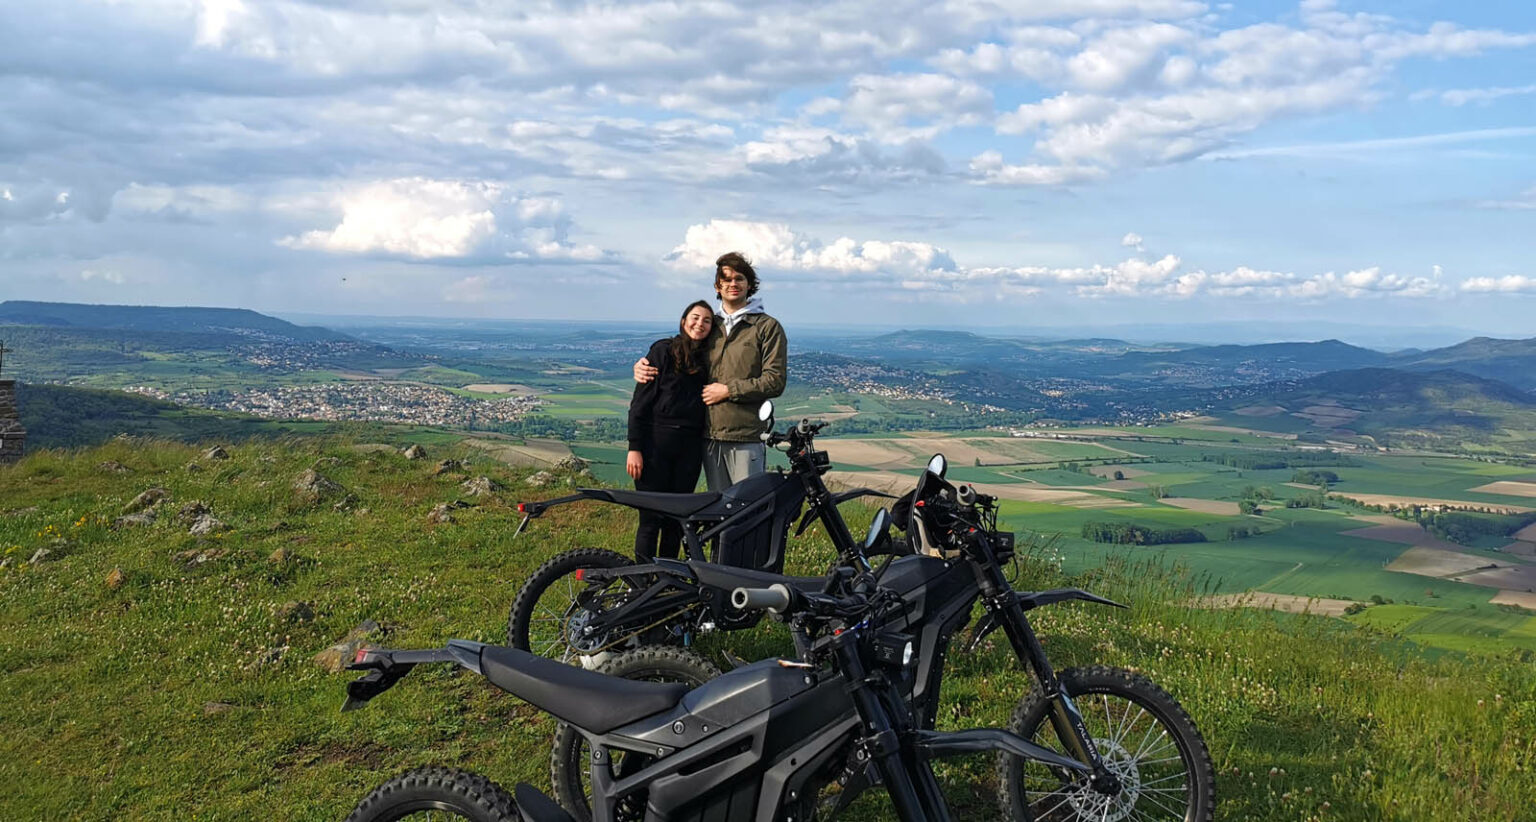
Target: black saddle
[(676, 505), (729, 578), (589, 700)]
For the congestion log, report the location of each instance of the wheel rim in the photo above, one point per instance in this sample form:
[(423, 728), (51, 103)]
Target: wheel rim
[(558, 622), (1137, 747), (429, 811)]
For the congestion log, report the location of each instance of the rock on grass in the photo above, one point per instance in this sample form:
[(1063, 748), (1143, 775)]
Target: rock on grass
[(480, 486), (149, 499), (313, 486), (336, 658)]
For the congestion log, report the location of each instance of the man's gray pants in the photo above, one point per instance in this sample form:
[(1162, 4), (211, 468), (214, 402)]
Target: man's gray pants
[(727, 463)]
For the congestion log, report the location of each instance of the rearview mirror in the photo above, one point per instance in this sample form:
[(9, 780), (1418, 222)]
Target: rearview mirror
[(938, 465), (877, 528), (765, 411)]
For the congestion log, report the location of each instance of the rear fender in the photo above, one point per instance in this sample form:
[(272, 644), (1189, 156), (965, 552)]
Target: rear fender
[(386, 667)]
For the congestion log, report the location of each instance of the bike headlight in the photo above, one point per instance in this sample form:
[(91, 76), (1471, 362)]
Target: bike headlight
[(895, 649)]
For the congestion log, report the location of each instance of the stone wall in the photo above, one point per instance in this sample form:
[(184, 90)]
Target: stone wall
[(12, 436)]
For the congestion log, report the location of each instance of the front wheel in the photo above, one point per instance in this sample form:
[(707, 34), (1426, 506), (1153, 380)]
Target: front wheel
[(437, 793), (1147, 742)]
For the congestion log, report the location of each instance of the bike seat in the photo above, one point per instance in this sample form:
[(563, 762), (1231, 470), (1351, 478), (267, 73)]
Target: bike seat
[(587, 699), (661, 502), (729, 577)]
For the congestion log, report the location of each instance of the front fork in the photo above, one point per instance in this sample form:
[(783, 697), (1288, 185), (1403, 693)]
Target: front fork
[(1065, 718), (908, 777)]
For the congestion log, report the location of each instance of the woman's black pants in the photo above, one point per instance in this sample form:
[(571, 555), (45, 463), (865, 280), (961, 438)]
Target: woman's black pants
[(673, 457)]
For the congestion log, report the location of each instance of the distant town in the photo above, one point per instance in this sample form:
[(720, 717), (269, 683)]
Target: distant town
[(372, 401)]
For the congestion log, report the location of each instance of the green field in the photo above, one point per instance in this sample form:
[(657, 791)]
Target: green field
[(588, 400), (1300, 552)]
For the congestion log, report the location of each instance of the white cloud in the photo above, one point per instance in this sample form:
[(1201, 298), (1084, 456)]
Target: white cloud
[(1513, 283), (1376, 146), (1482, 96), (1125, 56), (105, 276), (421, 219), (774, 247), (824, 155), (989, 168), (901, 106), (1133, 240), (1525, 201), (777, 249)]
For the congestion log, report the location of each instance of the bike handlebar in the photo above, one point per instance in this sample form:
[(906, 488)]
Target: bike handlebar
[(775, 598)]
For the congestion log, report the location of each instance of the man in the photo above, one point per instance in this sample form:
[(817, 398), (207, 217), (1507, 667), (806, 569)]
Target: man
[(747, 363)]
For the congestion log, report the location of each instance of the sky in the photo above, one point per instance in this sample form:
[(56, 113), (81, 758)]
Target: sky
[(1001, 164)]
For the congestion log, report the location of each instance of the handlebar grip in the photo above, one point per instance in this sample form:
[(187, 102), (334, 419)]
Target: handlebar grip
[(966, 495), (775, 598)]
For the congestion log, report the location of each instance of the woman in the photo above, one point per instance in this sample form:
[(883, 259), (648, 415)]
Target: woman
[(666, 427)]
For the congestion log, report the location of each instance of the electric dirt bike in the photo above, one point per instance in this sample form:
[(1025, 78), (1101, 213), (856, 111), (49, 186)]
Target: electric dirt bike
[(757, 743), (585, 604), (1142, 758)]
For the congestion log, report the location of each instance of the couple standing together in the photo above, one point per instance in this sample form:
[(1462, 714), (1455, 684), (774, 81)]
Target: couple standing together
[(696, 399)]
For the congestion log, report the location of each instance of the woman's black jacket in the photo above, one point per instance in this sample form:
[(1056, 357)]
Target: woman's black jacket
[(672, 400)]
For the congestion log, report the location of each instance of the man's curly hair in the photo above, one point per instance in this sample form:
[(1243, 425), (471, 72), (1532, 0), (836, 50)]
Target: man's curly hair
[(737, 262)]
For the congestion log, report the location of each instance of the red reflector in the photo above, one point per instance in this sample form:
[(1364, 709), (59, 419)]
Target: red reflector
[(581, 574), (917, 504), (361, 652), (522, 508)]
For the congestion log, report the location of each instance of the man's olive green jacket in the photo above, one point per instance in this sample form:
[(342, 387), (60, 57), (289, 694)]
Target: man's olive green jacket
[(751, 362)]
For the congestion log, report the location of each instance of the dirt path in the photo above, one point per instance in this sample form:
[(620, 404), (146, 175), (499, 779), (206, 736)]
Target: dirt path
[(1524, 599), (1507, 488), (1204, 506), (532, 452), (1279, 602), (1403, 502)]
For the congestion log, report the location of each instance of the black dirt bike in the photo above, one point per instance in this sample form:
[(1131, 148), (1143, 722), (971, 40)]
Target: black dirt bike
[(584, 604), (1142, 757), (757, 743)]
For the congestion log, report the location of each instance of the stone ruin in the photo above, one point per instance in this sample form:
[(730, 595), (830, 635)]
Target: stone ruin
[(13, 437)]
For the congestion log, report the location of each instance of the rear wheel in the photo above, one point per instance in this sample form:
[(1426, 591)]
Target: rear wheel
[(437, 793), (1147, 742), (570, 759), (548, 615)]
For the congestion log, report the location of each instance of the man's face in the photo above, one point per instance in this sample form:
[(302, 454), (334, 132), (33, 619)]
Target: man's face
[(732, 286)]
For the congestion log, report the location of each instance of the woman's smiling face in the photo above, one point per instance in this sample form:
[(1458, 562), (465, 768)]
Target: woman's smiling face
[(697, 322)]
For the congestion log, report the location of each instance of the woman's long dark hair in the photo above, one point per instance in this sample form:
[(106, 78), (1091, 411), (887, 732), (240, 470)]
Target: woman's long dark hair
[(688, 354)]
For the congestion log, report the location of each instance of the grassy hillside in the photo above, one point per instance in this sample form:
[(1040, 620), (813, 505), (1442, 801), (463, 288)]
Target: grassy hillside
[(146, 673)]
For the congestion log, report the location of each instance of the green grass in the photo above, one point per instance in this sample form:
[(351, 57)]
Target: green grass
[(105, 693)]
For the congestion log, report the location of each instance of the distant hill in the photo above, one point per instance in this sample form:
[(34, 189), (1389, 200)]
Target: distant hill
[(1511, 361), (238, 321), (1399, 407), (1313, 357)]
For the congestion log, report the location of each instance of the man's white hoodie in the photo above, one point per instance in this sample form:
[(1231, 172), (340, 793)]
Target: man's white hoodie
[(728, 320)]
